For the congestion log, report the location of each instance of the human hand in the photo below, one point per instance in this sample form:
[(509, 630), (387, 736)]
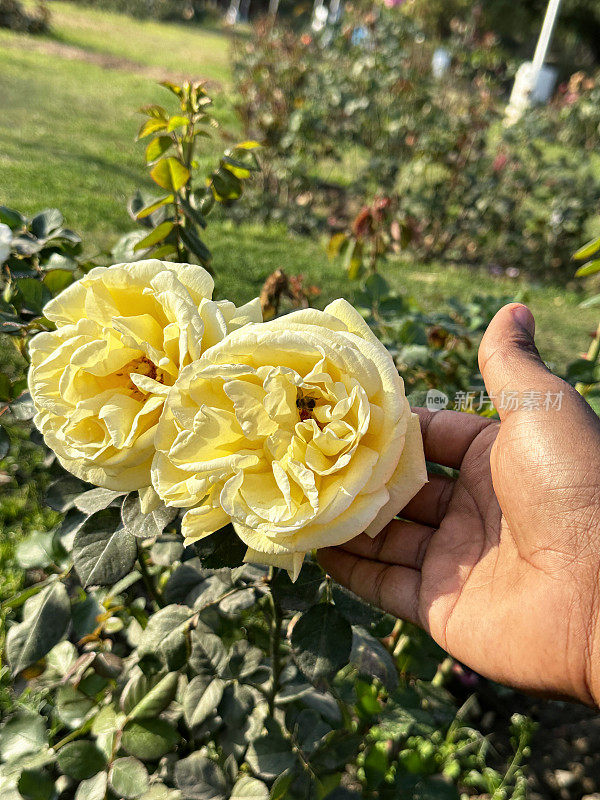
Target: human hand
[(500, 566)]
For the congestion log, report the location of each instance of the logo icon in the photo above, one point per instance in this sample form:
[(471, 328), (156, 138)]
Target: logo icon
[(435, 400)]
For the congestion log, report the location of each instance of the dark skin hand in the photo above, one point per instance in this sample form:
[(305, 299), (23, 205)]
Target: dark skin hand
[(500, 566)]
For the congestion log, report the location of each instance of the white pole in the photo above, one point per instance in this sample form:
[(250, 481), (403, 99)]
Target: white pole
[(528, 74), (543, 44)]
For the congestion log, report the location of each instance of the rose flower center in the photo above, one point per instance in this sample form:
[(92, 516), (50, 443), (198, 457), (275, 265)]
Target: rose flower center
[(305, 405), (140, 366)]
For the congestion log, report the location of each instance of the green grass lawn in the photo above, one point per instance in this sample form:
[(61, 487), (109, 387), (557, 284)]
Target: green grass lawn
[(185, 49)]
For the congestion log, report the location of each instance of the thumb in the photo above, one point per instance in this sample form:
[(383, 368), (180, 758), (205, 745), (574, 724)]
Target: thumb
[(515, 376)]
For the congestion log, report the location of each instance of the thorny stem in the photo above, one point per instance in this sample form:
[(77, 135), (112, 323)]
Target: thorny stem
[(178, 226), (275, 651), (149, 582)]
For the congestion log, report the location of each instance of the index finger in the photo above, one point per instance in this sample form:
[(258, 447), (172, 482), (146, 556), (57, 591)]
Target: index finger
[(447, 435)]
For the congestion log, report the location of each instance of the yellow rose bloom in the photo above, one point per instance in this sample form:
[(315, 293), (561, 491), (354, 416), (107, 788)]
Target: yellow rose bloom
[(296, 430), (99, 381)]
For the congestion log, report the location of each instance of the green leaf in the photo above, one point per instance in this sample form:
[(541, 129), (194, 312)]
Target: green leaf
[(167, 550), (46, 223), (244, 660), (145, 696), (22, 409), (193, 242), (154, 237), (177, 121), (225, 186), (337, 752), (148, 210), (237, 705), (80, 760), (354, 608), (308, 727), (93, 788), (224, 548), (12, 218), (321, 642), (58, 261), (587, 250), (152, 125), (588, 269), (33, 294), (270, 754), (24, 733), (155, 111), (61, 657), (62, 493), (300, 595), (58, 279), (165, 636), (106, 721), (249, 144), (170, 174), (149, 739), (371, 658), (201, 698), (183, 580), (280, 789), (46, 618), (72, 706), (95, 500), (36, 785), (36, 551), (199, 778), (26, 245), (145, 525), (582, 370), (208, 653), (102, 551), (193, 214), (172, 87), (85, 613), (165, 251), (128, 777), (123, 250), (249, 789)]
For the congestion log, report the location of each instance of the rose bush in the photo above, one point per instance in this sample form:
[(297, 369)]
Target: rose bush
[(98, 382), (133, 666), (296, 430)]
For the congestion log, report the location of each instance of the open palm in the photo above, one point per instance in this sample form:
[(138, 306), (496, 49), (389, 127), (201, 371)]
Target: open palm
[(501, 565)]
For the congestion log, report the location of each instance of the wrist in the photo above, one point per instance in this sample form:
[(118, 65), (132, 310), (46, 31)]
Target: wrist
[(592, 653)]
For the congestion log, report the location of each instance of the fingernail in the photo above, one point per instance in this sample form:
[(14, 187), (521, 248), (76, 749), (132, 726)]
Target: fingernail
[(524, 318)]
